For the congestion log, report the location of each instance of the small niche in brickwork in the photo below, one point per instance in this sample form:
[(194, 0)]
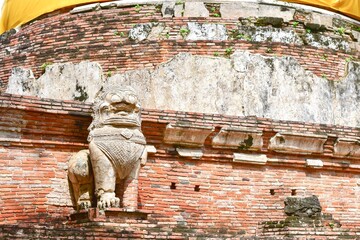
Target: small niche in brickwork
[(197, 188), (293, 192), (173, 185), (272, 192)]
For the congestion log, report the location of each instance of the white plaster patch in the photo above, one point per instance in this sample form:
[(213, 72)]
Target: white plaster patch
[(206, 31), (259, 159)]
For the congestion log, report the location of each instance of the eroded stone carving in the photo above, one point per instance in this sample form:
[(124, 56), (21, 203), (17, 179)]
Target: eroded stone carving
[(184, 134), (238, 138), (345, 147), (297, 143), (302, 207), (117, 148)]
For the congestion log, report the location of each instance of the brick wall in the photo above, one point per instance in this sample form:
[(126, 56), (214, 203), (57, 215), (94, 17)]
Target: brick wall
[(96, 36), (213, 197)]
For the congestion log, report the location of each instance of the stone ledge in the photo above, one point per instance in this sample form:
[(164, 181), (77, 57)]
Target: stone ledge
[(238, 138), (259, 159), (85, 8), (187, 135), (189, 152), (347, 147), (298, 143), (151, 149), (233, 9), (108, 215), (263, 6), (314, 163), (154, 125), (94, 6)]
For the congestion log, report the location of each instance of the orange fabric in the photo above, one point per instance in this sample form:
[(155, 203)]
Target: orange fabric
[(17, 12), (350, 8)]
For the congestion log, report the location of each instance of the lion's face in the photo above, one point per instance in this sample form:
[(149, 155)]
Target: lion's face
[(118, 108)]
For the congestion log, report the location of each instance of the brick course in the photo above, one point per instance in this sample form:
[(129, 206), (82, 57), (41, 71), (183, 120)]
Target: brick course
[(210, 197), (233, 198)]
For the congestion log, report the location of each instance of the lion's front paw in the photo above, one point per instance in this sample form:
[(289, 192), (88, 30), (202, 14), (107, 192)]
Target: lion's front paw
[(84, 204), (108, 200)]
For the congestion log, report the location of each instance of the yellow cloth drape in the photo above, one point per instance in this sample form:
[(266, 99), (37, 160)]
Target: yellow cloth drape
[(18, 12), (350, 8)]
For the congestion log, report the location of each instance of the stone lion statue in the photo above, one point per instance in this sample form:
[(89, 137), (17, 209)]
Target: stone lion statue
[(106, 175)]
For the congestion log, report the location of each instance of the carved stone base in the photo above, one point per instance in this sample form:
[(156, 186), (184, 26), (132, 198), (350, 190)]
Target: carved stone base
[(112, 215)]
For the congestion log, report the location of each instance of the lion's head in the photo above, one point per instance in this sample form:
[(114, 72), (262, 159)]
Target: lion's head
[(116, 107)]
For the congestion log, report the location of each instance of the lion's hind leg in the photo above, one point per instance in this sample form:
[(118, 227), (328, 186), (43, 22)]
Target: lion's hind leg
[(81, 178)]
